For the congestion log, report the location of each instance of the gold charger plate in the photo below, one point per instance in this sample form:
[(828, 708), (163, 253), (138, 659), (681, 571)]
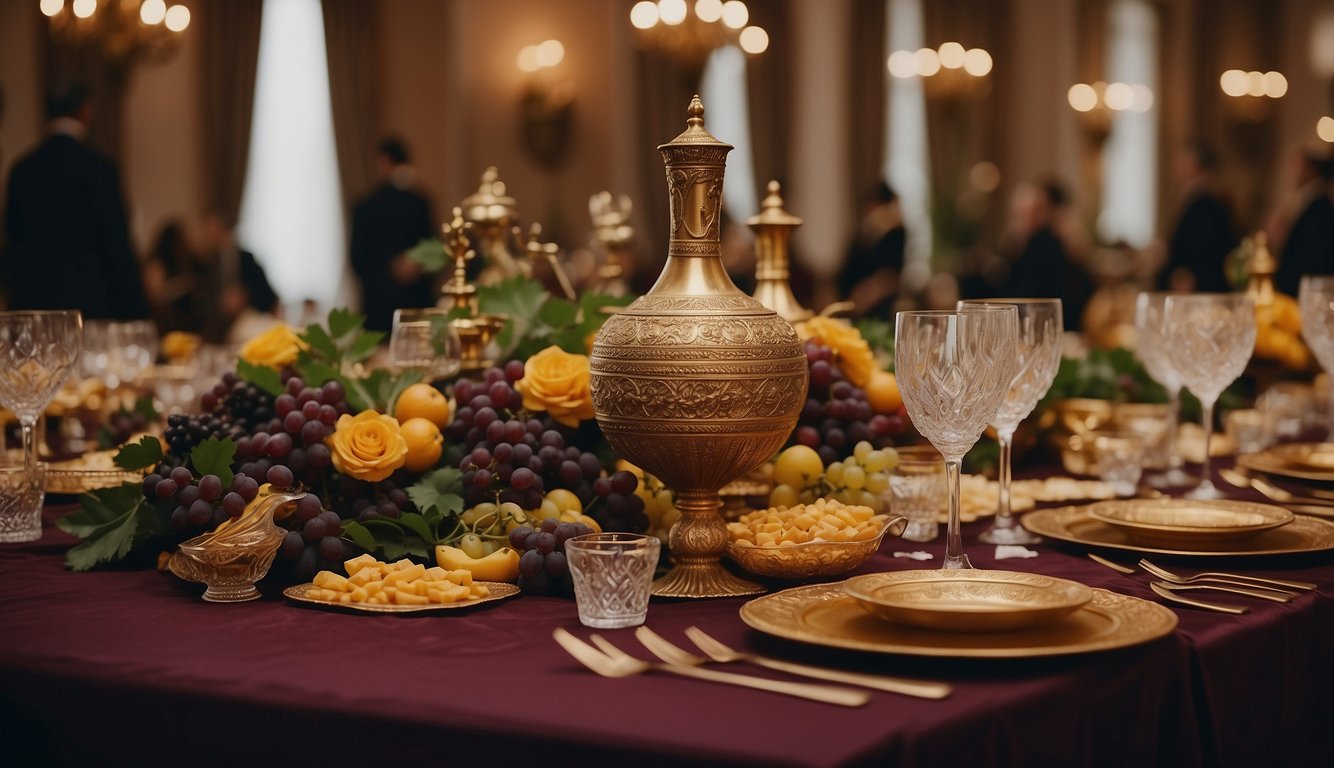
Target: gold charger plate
[(499, 591), (89, 472), (1304, 461), (1190, 524), (1073, 524), (967, 600), (823, 614)]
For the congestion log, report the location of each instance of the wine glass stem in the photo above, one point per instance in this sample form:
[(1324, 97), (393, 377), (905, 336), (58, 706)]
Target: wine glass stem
[(28, 426), (954, 556), (1206, 473), (1174, 460), (1006, 439)]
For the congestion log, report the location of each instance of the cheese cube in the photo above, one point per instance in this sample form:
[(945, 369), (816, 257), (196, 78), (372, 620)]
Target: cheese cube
[(331, 580)]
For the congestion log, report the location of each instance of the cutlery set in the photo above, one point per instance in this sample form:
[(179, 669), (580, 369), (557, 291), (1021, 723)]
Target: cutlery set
[(608, 660), (1170, 584)]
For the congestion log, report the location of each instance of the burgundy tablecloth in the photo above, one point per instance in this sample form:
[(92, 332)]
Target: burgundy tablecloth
[(123, 667)]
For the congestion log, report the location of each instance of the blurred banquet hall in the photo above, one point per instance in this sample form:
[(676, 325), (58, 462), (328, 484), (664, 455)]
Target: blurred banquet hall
[(943, 315)]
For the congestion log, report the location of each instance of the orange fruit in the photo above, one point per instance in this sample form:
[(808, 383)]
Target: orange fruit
[(425, 402), (425, 443), (882, 392)]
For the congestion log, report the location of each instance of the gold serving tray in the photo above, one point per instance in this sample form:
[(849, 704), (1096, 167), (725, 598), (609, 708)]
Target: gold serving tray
[(967, 600), (1073, 524), (823, 614), (1304, 461), (89, 472), (1187, 524), (499, 591)]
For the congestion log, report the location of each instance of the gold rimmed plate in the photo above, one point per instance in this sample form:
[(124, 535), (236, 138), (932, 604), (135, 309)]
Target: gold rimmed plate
[(1189, 524), (823, 614), (499, 590), (1074, 525), (89, 472), (1304, 461), (967, 600)]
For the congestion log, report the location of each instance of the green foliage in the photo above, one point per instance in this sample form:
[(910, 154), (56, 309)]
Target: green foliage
[(333, 352), (879, 335), (143, 406), (112, 522), (414, 534), (537, 320), (214, 457), (430, 253), (1105, 374), (145, 453), (262, 376)]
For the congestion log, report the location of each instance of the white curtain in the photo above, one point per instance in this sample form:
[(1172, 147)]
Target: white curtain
[(291, 210), (1130, 158), (906, 157), (723, 89)]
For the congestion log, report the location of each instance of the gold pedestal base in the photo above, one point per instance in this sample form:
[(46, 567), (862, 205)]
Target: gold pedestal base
[(705, 579)]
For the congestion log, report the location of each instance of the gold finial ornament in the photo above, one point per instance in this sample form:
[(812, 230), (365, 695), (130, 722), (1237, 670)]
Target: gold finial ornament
[(1261, 266), (695, 381), (475, 331), (492, 212), (773, 229), (613, 235), (538, 253)]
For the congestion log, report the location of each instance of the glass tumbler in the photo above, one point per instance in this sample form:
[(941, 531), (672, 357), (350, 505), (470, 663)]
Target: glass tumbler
[(917, 491), (1119, 457), (21, 495), (612, 575)]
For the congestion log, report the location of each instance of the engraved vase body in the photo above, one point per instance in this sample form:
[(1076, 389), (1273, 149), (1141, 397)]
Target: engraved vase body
[(697, 382)]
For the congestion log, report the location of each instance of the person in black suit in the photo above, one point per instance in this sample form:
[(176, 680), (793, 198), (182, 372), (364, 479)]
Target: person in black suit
[(1204, 236), (1308, 248), (870, 275), (391, 219), (65, 223), (1041, 263)]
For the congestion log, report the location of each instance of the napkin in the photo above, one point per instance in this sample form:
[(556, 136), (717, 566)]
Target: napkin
[(918, 555), (1007, 551)]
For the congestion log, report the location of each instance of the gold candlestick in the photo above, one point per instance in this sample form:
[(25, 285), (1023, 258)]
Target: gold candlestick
[(773, 228), (613, 235), (475, 330), (492, 212)]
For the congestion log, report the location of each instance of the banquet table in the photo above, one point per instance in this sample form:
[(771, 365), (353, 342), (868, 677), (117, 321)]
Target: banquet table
[(130, 667)]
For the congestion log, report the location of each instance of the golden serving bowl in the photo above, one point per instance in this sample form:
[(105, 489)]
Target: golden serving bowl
[(812, 559), (231, 558)]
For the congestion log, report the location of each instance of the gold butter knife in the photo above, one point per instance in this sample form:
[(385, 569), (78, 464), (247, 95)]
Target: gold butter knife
[(1175, 598)]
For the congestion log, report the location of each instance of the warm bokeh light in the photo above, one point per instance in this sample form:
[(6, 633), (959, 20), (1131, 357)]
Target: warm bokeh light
[(84, 8), (644, 14), (152, 12), (977, 62), (1082, 97), (951, 55), (52, 7), (550, 53), (1324, 128), (177, 18), (709, 10), (902, 64), (1276, 85), (672, 12), (985, 176), (1233, 82), (928, 61), (1255, 84), (527, 59), (735, 14), (754, 40), (1119, 96), (1143, 100)]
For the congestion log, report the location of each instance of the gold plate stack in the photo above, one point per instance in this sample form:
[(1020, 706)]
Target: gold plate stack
[(1304, 461), (1186, 524), (967, 600)]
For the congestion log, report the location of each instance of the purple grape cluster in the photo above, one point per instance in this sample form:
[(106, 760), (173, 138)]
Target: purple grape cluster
[(198, 504), (543, 568), (316, 542), (837, 415), (368, 501), (616, 506), (294, 437)]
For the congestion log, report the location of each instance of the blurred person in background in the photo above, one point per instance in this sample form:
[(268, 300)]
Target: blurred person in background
[(67, 240), (171, 280), (1038, 248), (870, 275), (386, 223), (1204, 234), (238, 288), (1308, 244)]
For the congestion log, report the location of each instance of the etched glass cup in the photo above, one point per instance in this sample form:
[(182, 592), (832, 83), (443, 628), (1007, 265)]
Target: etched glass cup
[(612, 575), (1151, 349), (21, 495), (954, 369), (1211, 337), (425, 340), (917, 491), (1317, 302), (37, 352), (1037, 357)]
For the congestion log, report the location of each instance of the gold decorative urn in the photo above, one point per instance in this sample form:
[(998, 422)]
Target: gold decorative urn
[(695, 381), (773, 228)]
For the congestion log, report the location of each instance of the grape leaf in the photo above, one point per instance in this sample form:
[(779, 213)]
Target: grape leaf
[(97, 508), (319, 341), (145, 453), (345, 324), (363, 346), (262, 376), (437, 494), (108, 521), (430, 253), (417, 524), (519, 299), (144, 406), (558, 312), (359, 535), (214, 457)]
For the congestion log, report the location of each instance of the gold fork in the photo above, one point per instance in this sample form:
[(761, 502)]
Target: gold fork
[(1171, 597), (723, 654), (1230, 578), (623, 665)]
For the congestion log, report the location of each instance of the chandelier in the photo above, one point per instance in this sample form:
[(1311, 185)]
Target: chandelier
[(689, 32), (123, 31)]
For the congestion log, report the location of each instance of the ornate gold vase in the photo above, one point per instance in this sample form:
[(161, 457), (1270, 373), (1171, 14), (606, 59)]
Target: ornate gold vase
[(697, 382)]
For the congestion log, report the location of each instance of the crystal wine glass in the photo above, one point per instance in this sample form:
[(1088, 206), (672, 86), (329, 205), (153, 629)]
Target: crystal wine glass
[(425, 340), (1151, 347), (1317, 301), (1210, 339), (1037, 357), (954, 368), (37, 352)]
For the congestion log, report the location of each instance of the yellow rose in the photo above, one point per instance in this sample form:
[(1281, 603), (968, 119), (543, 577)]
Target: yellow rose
[(275, 347), (367, 446), (854, 355), (556, 381)]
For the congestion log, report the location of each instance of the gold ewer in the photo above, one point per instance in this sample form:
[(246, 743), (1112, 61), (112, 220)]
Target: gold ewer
[(773, 228), (695, 381)]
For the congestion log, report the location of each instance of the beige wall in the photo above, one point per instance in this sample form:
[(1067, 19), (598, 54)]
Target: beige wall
[(21, 123)]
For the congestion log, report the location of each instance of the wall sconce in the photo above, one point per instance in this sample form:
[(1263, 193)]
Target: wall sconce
[(1249, 92), (546, 108), (948, 71), (1324, 128), (688, 33)]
